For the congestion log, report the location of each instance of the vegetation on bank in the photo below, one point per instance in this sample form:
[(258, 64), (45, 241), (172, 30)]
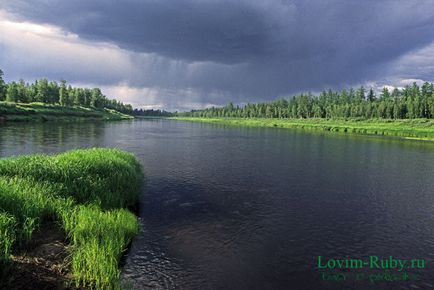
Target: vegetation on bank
[(406, 112), (411, 128), (151, 113), (25, 112), (46, 100), (52, 92), (412, 102), (88, 193)]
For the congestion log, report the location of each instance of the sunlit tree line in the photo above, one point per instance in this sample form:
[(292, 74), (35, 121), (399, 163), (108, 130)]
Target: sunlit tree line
[(411, 102), (52, 92)]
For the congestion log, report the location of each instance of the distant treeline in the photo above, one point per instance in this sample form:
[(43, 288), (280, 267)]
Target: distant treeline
[(52, 92), (151, 113), (409, 103)]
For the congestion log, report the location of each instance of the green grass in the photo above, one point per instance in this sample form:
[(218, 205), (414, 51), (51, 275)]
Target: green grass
[(7, 236), (50, 112), (87, 192), (100, 238), (422, 129)]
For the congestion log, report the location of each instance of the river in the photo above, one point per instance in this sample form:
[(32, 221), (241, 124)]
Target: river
[(253, 208)]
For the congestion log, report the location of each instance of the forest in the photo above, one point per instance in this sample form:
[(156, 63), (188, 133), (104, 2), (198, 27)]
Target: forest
[(410, 102), (152, 113), (52, 92)]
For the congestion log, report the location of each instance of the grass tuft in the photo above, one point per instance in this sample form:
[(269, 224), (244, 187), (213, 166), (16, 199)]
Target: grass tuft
[(99, 239), (7, 236), (88, 193)]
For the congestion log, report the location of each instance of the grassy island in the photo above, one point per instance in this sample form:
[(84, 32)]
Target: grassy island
[(84, 194), (26, 112), (422, 129)]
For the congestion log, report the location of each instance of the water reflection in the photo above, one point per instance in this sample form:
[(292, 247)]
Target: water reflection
[(22, 138), (251, 208)]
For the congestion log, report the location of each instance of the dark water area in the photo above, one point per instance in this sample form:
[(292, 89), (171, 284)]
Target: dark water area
[(253, 208)]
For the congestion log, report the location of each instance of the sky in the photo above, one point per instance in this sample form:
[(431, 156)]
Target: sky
[(191, 54)]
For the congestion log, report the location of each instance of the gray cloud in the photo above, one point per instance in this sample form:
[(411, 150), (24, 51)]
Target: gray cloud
[(244, 50), (220, 31)]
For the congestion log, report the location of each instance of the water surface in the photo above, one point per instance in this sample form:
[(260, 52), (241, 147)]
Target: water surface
[(253, 208)]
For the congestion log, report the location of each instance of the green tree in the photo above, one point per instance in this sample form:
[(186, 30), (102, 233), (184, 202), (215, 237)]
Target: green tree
[(371, 95), (2, 87), (12, 92), (360, 95), (385, 95), (53, 92), (42, 91), (22, 92), (96, 98), (63, 94)]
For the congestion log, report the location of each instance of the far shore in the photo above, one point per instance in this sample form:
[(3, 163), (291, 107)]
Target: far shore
[(415, 129)]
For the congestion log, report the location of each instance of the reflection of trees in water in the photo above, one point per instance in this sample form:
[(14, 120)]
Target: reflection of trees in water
[(20, 138)]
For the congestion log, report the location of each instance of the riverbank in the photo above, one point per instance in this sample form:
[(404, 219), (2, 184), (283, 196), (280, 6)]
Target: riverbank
[(74, 206), (420, 129), (23, 112)]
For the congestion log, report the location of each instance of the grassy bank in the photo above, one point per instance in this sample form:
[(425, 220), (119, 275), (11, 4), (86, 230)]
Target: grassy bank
[(20, 112), (87, 193), (422, 129)]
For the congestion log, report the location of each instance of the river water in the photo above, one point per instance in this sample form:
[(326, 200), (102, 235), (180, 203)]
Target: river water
[(253, 208)]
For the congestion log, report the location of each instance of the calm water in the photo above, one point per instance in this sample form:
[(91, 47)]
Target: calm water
[(252, 208)]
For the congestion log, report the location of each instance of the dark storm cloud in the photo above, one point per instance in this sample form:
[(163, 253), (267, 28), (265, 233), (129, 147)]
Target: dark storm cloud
[(249, 50), (221, 31)]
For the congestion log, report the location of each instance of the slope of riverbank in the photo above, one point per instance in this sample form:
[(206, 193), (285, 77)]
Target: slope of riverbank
[(422, 129), (73, 206), (21, 112)]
